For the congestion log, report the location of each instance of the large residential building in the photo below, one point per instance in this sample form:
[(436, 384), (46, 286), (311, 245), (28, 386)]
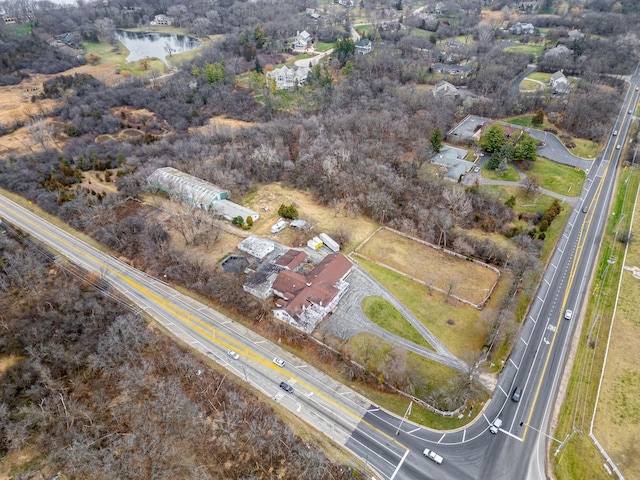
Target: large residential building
[(286, 78)]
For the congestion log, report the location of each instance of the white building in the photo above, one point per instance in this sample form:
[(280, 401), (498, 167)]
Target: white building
[(286, 78), (329, 242)]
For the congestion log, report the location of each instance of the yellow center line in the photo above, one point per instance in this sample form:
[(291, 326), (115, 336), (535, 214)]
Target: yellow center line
[(202, 327), (584, 228)]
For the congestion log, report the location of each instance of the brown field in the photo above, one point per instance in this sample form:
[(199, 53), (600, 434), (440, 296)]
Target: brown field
[(468, 280), (617, 425), (268, 198)]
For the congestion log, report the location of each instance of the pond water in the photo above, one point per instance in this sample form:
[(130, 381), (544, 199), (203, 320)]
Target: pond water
[(152, 44)]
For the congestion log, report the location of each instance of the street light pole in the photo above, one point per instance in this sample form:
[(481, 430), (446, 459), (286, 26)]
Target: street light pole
[(406, 414)]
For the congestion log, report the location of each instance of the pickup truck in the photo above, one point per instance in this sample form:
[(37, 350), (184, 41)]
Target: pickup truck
[(432, 455)]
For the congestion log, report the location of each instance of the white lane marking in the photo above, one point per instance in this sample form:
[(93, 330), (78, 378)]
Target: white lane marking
[(414, 430), (522, 340), (513, 363), (442, 437)]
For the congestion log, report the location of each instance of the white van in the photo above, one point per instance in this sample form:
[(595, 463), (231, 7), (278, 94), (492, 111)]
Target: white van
[(495, 426)]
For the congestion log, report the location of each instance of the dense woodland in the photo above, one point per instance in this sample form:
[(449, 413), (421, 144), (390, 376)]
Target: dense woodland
[(83, 367), (359, 141)]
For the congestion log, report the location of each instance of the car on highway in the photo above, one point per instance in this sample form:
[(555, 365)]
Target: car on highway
[(517, 393), (615, 132), (432, 455), (630, 112), (568, 314), (286, 387), (278, 361), (618, 147), (585, 209), (233, 355), (495, 426), (637, 88)]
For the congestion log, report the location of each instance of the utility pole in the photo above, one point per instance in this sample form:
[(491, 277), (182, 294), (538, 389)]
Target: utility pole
[(406, 414)]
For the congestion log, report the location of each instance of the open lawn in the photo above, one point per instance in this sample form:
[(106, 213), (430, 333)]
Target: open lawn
[(324, 219), (385, 315), (585, 148), (541, 77), (530, 86), (116, 57), (458, 326), (323, 47), (467, 280), (510, 175), (558, 178), (528, 48)]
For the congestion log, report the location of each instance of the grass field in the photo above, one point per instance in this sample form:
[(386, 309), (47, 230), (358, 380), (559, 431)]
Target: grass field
[(117, 57), (323, 47), (528, 48), (530, 85), (324, 219), (436, 268), (511, 174), (585, 148), (617, 425), (541, 77), (558, 178), (383, 314)]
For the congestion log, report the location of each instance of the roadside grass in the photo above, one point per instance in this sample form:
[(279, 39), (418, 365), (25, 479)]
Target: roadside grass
[(525, 121), (585, 148), (528, 48), (558, 178), (434, 374), (385, 315), (533, 203), (432, 266), (510, 175), (617, 425), (300, 56), (530, 86), (458, 326), (541, 77)]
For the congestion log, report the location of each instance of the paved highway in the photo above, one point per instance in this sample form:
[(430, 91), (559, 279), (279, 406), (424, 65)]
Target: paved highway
[(390, 447)]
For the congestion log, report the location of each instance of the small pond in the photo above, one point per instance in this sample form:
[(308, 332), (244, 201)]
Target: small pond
[(151, 44)]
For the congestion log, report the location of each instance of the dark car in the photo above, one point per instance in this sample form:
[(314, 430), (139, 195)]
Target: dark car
[(517, 393), (585, 209), (286, 387)]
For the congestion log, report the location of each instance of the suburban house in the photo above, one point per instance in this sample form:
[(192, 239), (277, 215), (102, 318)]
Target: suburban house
[(451, 160), (451, 69), (559, 83), (286, 78), (161, 20), (522, 29), (302, 41), (575, 35), (558, 51), (304, 300), (198, 193), (363, 46), (445, 89)]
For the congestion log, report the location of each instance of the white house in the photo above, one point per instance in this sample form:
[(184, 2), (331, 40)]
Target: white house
[(286, 78), (559, 82), (161, 20), (302, 41), (363, 46)]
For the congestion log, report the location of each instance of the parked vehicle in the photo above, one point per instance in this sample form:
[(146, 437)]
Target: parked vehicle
[(433, 456)]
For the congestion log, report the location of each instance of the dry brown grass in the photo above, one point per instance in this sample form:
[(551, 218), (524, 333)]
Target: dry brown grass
[(617, 425), (268, 198), (434, 267)]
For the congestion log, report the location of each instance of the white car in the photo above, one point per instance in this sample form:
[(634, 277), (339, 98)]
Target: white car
[(495, 426), (568, 314), (278, 361), (476, 170), (233, 354), (432, 455), (615, 132), (618, 147)]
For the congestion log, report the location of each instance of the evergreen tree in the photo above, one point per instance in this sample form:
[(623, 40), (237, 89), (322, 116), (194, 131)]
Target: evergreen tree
[(493, 139), (436, 139)]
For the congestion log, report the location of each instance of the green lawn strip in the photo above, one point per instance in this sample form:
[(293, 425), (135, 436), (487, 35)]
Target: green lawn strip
[(159, 29), (434, 376), (530, 85), (510, 175), (323, 47), (585, 148), (385, 315), (458, 326), (530, 49), (541, 77), (558, 178), (418, 32), (580, 457)]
